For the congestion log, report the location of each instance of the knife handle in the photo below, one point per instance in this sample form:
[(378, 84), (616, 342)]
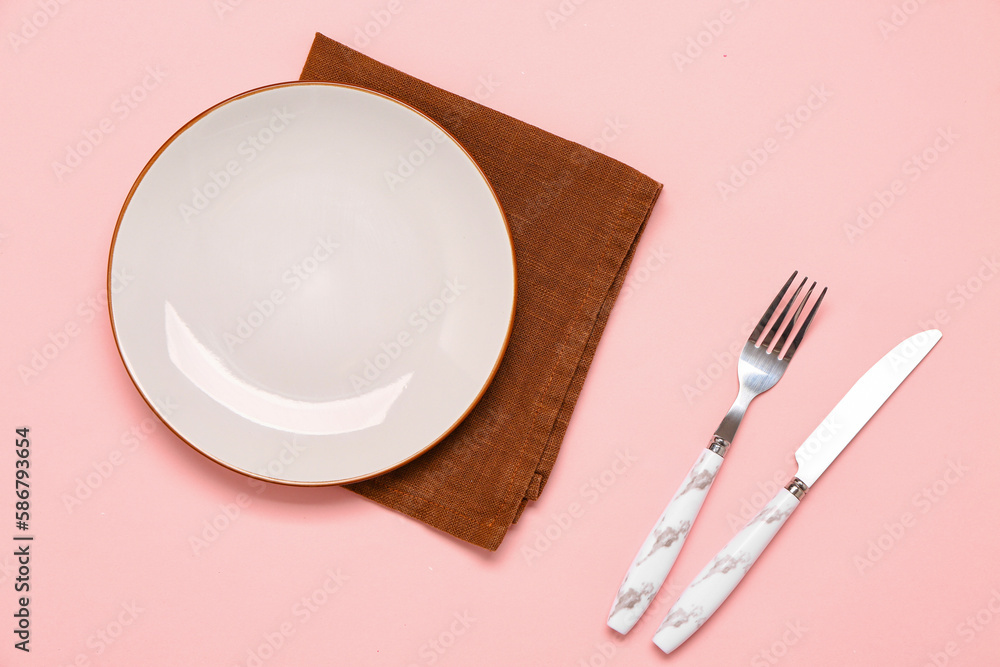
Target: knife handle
[(721, 576), (651, 565)]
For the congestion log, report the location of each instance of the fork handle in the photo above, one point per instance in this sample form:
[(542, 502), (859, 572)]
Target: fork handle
[(651, 565)]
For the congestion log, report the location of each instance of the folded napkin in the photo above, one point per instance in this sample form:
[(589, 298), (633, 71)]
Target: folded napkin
[(575, 216)]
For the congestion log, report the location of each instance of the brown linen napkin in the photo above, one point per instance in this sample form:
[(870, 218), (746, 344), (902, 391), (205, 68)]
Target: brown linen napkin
[(576, 216)]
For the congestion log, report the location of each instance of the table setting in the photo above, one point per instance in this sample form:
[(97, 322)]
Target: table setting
[(396, 334)]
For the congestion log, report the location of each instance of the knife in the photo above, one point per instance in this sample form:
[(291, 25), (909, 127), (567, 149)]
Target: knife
[(717, 580)]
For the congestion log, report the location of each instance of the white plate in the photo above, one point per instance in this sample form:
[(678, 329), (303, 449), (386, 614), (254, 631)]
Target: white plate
[(311, 283)]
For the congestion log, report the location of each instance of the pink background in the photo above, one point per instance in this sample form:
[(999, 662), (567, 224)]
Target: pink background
[(116, 579)]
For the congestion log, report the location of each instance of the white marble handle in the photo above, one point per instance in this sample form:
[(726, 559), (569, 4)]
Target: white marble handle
[(657, 555), (721, 576)]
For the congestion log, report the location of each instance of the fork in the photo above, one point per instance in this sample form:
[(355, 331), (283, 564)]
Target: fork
[(760, 367)]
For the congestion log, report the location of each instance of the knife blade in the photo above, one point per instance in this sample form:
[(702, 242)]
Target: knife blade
[(719, 578)]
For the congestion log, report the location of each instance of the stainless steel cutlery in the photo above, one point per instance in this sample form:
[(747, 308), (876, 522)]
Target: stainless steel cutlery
[(761, 364), (712, 586)]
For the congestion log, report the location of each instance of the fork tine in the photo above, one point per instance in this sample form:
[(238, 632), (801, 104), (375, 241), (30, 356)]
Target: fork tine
[(795, 316), (781, 317), (802, 330), (770, 309)]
